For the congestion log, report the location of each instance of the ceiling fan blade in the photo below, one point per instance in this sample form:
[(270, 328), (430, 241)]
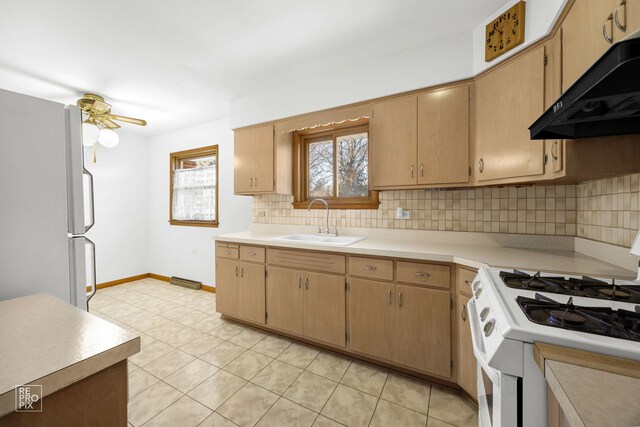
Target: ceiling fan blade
[(108, 123), (126, 119)]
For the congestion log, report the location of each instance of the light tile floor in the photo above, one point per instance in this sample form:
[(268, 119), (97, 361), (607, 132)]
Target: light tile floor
[(196, 369)]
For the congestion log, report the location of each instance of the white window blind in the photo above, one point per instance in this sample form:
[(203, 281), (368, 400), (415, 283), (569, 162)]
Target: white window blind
[(194, 194)]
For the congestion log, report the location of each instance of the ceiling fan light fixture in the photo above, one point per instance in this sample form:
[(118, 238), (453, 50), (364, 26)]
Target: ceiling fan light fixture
[(90, 133), (108, 138)]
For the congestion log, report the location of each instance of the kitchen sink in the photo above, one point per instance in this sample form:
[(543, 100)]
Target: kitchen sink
[(320, 239)]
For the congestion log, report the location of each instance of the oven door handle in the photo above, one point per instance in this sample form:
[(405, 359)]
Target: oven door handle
[(476, 340)]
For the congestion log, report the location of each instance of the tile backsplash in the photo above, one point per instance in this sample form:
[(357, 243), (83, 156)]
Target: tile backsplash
[(608, 209), (604, 210)]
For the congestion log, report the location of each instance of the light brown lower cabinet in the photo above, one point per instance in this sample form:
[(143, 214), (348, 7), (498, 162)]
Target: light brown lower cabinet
[(372, 318), (310, 304), (284, 300), (467, 365), (240, 289), (423, 329), (227, 290)]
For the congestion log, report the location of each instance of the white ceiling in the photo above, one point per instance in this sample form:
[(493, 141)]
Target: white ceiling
[(179, 63)]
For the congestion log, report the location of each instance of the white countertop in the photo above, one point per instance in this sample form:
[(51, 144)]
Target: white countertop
[(470, 255), (44, 340)]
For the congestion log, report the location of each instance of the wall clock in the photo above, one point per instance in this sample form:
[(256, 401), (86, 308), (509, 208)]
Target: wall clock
[(505, 32)]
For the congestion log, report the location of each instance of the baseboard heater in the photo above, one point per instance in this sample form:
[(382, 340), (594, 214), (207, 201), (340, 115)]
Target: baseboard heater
[(185, 283)]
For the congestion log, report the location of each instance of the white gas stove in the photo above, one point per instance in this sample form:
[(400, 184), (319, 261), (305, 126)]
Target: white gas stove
[(511, 310)]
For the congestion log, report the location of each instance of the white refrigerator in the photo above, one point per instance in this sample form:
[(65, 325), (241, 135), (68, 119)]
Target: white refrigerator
[(46, 201)]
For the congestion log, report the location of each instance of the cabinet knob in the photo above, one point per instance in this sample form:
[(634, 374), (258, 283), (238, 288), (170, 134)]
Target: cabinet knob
[(621, 26), (481, 165), (608, 38)]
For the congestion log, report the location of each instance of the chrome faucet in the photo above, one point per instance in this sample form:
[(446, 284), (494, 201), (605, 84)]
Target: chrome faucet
[(326, 205)]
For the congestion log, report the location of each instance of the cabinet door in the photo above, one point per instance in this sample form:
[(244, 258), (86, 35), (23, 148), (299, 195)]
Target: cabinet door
[(394, 142), (443, 136), (467, 365), (423, 329), (284, 299), (227, 292), (508, 100), (252, 291), (582, 37), (263, 157), (324, 308), (372, 315), (253, 160)]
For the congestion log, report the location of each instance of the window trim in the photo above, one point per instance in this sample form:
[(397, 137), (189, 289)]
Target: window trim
[(301, 197), (174, 159)]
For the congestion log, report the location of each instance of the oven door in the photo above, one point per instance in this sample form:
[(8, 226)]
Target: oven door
[(498, 402)]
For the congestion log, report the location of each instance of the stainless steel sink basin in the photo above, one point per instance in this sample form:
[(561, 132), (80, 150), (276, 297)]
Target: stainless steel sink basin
[(320, 239)]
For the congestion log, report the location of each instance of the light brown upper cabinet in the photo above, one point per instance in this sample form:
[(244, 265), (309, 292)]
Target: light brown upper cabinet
[(421, 140), (443, 136), (583, 36), (393, 142), (261, 161), (509, 98)]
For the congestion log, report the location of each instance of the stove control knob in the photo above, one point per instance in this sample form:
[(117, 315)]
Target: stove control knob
[(478, 291), (484, 313), (489, 327)]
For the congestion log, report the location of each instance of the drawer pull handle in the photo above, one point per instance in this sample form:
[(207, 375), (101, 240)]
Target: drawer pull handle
[(621, 27), (242, 272), (421, 274), (400, 299), (467, 282), (299, 282), (236, 271), (306, 283), (227, 253), (608, 38), (370, 267), (463, 313), (389, 297), (252, 254)]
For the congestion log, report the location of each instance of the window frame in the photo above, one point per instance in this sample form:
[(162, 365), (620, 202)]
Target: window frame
[(174, 159), (301, 140)]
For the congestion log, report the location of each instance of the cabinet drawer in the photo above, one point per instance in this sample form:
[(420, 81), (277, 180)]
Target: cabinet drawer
[(227, 251), (424, 274), (371, 267), (465, 278), (252, 253), (317, 261)]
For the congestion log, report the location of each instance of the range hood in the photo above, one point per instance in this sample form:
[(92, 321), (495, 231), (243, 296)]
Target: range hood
[(605, 101)]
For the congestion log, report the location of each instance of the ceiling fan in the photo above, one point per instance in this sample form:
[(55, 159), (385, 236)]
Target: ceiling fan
[(98, 123)]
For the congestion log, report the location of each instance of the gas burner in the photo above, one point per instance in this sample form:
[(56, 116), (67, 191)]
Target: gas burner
[(583, 287), (593, 320), (559, 317)]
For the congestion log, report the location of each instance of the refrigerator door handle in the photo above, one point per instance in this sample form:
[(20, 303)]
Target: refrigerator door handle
[(88, 174), (92, 292)]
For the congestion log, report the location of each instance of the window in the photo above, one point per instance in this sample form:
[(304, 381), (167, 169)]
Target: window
[(334, 165), (193, 190)]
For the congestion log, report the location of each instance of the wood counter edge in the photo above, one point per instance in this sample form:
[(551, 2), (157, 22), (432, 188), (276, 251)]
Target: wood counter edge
[(602, 362), (76, 372)]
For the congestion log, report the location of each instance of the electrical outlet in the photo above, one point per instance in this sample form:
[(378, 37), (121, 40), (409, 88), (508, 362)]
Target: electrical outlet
[(403, 214), (194, 251)]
